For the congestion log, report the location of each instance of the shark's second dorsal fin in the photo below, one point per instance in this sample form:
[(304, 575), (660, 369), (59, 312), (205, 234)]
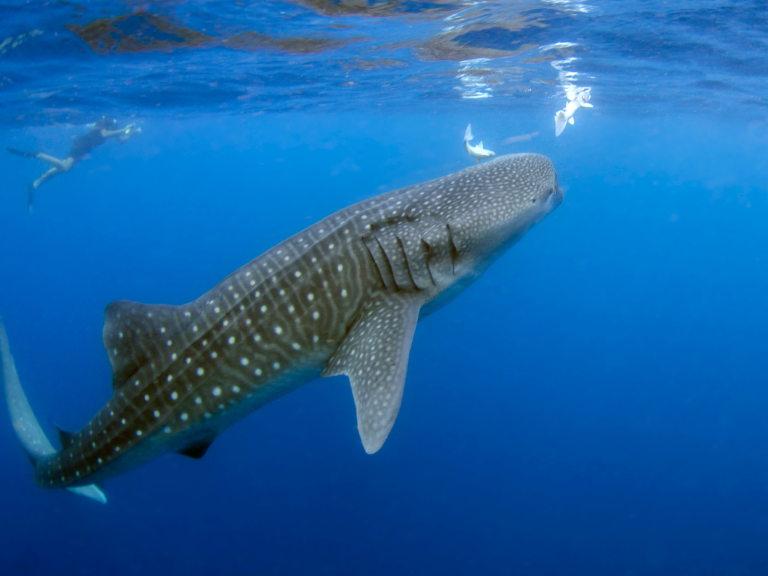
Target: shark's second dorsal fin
[(65, 438), (134, 332)]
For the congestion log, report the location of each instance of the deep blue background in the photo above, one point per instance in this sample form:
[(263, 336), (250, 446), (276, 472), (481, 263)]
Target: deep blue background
[(596, 404)]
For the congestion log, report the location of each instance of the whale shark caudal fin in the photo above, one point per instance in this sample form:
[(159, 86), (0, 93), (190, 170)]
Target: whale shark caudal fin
[(468, 133), (28, 430), (560, 122), (374, 354)]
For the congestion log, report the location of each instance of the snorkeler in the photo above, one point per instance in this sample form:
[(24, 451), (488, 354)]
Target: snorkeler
[(82, 145)]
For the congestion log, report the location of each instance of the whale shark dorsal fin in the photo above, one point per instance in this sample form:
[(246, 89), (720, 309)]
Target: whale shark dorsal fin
[(65, 438), (480, 146), (133, 332), (374, 354)]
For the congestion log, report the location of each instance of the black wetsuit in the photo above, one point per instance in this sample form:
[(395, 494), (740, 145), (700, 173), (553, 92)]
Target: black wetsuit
[(85, 143)]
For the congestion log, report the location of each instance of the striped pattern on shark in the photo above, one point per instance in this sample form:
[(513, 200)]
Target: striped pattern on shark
[(341, 297)]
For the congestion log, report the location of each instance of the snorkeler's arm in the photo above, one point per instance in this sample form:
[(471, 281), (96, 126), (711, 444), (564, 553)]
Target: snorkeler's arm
[(129, 132), (123, 131)]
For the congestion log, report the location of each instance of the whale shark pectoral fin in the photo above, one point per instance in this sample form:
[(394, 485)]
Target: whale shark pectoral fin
[(374, 355)]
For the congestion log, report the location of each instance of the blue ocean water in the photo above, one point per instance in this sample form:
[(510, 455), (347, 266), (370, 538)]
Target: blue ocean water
[(595, 404)]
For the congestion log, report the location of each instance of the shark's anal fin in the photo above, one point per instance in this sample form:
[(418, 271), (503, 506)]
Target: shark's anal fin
[(133, 331), (197, 449), (374, 354)]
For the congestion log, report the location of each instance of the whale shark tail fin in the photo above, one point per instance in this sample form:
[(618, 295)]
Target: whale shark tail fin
[(27, 428), (560, 122), (468, 133)]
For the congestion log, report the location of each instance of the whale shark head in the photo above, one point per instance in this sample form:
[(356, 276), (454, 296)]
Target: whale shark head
[(498, 203)]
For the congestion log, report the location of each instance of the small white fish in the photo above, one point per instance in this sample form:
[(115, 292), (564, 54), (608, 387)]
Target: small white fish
[(478, 151), (577, 99)]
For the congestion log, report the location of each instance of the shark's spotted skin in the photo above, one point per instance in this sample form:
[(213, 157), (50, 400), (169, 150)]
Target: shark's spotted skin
[(341, 297)]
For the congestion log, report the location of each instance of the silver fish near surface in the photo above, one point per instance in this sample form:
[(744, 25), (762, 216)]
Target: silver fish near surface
[(476, 152), (341, 297)]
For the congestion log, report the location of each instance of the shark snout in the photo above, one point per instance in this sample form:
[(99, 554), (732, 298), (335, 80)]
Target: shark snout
[(557, 195)]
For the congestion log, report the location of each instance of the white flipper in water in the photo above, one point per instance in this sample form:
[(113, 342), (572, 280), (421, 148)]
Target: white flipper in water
[(28, 429), (560, 122)]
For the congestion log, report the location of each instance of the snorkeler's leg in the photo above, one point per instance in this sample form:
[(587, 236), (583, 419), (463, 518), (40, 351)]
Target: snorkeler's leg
[(48, 175), (32, 186), (63, 165)]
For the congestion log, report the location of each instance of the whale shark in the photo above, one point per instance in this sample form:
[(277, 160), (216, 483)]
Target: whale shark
[(342, 297)]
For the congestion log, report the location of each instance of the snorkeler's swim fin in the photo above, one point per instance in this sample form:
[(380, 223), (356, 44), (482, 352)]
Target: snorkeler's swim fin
[(30, 198), (23, 153)]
